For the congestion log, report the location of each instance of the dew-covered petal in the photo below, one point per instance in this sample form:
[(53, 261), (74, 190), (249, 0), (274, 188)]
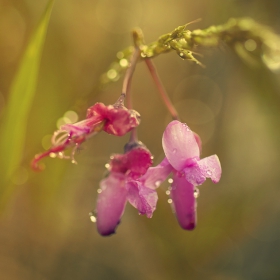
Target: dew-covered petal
[(179, 144), (208, 167), (211, 168), (111, 203), (142, 198), (156, 175), (182, 194)]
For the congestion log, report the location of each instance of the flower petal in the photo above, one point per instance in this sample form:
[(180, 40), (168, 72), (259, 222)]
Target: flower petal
[(182, 194), (142, 198), (119, 120), (111, 203), (211, 167), (156, 175), (139, 160), (208, 167), (83, 127), (179, 144)]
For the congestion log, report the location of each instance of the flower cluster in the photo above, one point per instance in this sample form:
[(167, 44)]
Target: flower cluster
[(113, 119), (131, 177)]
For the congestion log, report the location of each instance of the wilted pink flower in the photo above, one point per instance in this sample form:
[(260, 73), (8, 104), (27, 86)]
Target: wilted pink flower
[(126, 183), (113, 119), (182, 150)]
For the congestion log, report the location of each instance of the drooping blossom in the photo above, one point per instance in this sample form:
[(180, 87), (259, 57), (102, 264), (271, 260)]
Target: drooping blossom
[(182, 150), (113, 119), (126, 183)]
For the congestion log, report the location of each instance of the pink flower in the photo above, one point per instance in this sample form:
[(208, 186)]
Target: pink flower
[(182, 150), (113, 119), (126, 183)]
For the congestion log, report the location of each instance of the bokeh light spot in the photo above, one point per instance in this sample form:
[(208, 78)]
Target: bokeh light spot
[(250, 45), (20, 176)]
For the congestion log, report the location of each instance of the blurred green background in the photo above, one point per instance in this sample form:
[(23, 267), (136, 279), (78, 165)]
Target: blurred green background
[(45, 230)]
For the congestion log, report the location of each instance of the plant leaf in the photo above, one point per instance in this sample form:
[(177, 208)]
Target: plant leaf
[(21, 95)]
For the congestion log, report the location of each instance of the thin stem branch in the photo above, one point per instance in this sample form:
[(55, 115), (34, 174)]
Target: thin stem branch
[(161, 89), (127, 85), (128, 77)]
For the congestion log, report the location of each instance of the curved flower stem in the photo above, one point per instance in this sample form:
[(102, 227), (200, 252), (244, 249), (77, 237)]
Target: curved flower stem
[(127, 85), (128, 77), (161, 89)]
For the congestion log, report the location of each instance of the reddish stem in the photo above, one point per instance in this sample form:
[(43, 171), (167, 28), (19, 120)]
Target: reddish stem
[(161, 89)]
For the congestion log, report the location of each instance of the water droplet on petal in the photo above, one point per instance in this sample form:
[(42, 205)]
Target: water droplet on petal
[(170, 180), (169, 200), (186, 126), (92, 217), (157, 183), (99, 191), (196, 193), (107, 165), (152, 157)]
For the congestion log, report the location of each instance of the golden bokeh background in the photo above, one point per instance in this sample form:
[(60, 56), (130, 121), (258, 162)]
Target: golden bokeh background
[(45, 230)]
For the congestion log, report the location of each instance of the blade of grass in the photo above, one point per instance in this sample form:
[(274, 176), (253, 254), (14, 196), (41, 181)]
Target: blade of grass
[(21, 95)]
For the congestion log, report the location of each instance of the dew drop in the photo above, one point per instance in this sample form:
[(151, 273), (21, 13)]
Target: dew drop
[(169, 200), (167, 192), (99, 191), (107, 165), (92, 217), (152, 157), (157, 183), (170, 180), (196, 193)]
